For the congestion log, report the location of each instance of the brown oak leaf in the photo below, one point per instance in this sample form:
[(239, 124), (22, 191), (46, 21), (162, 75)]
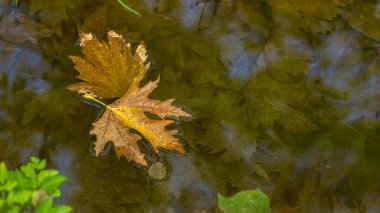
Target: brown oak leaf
[(107, 69), (128, 113)]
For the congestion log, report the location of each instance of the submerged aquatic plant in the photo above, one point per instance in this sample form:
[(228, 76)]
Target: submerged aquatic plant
[(128, 8), (119, 1)]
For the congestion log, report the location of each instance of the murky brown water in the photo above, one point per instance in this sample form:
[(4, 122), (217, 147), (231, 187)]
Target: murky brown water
[(285, 97)]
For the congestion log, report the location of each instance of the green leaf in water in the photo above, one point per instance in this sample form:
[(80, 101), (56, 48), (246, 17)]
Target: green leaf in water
[(128, 8), (250, 201)]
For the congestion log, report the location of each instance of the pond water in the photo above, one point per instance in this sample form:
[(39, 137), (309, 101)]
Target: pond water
[(285, 97)]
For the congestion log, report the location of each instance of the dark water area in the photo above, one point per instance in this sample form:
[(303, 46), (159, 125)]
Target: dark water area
[(285, 97)]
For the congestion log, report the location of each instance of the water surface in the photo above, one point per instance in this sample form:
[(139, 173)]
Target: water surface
[(285, 97)]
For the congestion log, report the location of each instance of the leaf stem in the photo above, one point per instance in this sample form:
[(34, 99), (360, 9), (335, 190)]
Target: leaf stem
[(88, 96), (128, 8)]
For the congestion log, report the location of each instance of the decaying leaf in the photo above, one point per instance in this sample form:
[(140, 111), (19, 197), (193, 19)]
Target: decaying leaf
[(364, 17), (292, 15), (110, 128), (51, 12), (127, 113), (267, 111), (17, 28), (287, 58), (108, 68), (96, 21)]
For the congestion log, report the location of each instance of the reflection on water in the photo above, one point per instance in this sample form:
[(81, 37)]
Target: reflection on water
[(285, 98), (24, 64)]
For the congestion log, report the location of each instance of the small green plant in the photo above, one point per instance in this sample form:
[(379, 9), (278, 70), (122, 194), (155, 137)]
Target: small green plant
[(250, 201), (30, 188), (128, 8)]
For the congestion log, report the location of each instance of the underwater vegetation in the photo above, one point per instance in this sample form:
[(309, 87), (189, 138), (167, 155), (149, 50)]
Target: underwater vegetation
[(283, 96)]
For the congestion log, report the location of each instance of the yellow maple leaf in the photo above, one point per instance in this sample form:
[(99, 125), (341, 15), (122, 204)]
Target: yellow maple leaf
[(110, 70), (107, 69), (127, 113)]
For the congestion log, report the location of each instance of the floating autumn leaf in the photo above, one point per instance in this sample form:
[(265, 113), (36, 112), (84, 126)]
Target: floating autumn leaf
[(110, 70), (127, 113), (107, 69)]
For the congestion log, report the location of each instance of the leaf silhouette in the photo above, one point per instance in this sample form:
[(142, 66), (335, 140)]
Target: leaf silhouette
[(51, 12), (368, 23), (18, 28), (127, 113), (290, 16)]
